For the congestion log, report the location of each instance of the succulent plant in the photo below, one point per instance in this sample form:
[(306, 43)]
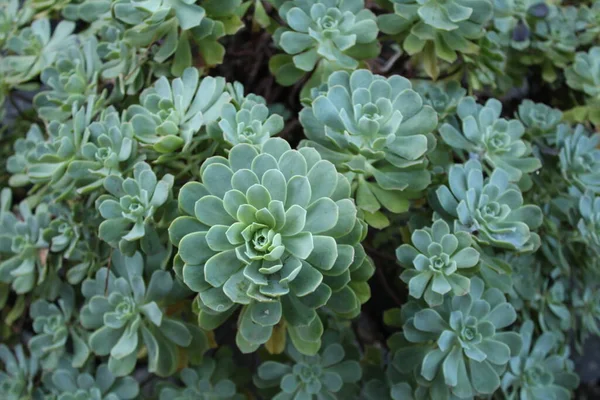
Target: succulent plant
[(17, 373), (326, 375), (125, 315), (540, 370), (24, 149), (214, 378), (438, 28), (443, 97), (86, 10), (334, 32), (436, 262), (12, 18), (111, 149), (377, 132), (250, 123), (178, 24), (71, 79), (24, 263), (170, 115), (489, 67), (580, 158), (584, 74), (122, 61), (589, 224), (274, 232), (133, 209), (587, 307), (554, 41), (459, 346), (33, 49), (539, 119), (526, 280), (553, 312), (491, 210), (53, 326), (494, 140), (67, 383), (58, 162)]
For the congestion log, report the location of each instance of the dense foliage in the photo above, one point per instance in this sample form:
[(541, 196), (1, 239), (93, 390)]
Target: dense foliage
[(298, 199)]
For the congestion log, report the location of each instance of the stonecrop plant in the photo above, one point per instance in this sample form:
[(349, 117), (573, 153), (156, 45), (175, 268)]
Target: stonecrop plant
[(299, 199)]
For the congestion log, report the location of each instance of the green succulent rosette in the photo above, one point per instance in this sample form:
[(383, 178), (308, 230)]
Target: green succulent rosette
[(539, 119), (586, 303), (12, 18), (133, 210), (438, 28), (214, 378), (111, 150), (491, 209), (24, 149), (323, 34), (526, 279), (553, 310), (53, 326), (71, 80), (17, 374), (436, 263), (34, 48), (494, 140), (276, 233), (443, 97), (579, 157), (22, 245), (67, 383), (86, 10), (377, 132), (584, 76), (58, 162), (250, 123), (177, 26), (170, 115), (126, 315), (589, 224), (459, 348), (554, 41), (330, 374), (541, 370)]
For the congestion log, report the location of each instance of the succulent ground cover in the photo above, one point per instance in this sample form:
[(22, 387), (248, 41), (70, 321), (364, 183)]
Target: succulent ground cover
[(298, 199)]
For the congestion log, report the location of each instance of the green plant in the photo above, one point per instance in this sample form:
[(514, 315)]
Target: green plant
[(213, 378), (70, 384), (325, 375), (170, 115), (275, 232), (540, 370), (438, 256), (133, 209), (291, 176), (459, 347), (539, 119), (494, 140), (438, 28), (125, 316), (326, 35), (33, 49), (17, 374), (21, 241), (53, 327), (491, 209), (72, 79), (377, 132)]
